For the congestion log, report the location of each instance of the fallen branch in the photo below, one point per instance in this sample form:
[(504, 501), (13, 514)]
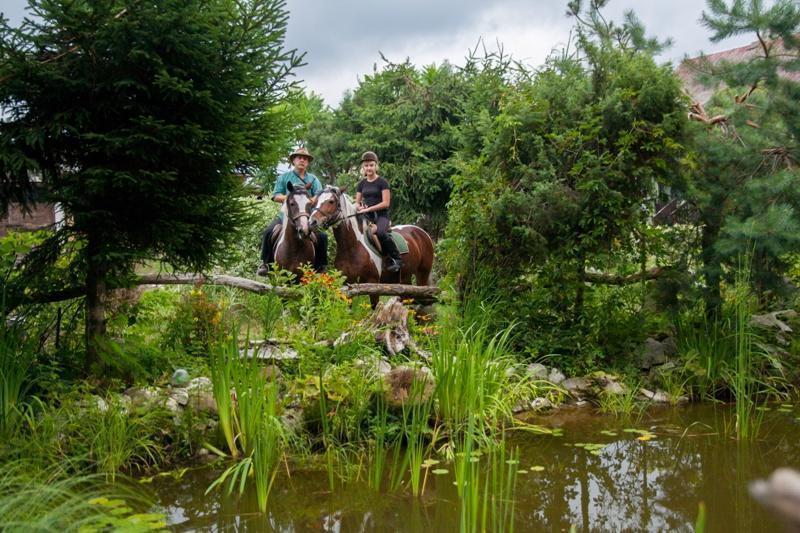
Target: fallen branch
[(245, 284)]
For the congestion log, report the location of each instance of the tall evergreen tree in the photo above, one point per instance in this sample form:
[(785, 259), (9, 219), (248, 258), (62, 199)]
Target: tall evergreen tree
[(135, 116), (743, 175)]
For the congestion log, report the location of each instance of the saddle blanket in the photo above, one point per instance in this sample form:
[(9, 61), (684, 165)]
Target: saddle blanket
[(402, 245)]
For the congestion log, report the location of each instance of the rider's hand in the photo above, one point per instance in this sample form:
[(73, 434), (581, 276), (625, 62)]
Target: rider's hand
[(361, 209)]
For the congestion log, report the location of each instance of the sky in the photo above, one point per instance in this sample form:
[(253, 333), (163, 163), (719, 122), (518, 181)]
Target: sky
[(343, 39)]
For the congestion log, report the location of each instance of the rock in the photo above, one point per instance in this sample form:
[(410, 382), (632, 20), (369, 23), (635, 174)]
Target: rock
[(201, 395), (271, 373), (293, 418), (378, 365), (614, 388), (536, 371), (582, 403), (652, 353), (556, 377), (657, 397), (99, 403), (172, 406), (180, 378), (390, 321), (577, 387), (771, 320), (180, 395), (541, 404), (780, 494), (399, 383), (271, 352), (143, 396), (670, 346)]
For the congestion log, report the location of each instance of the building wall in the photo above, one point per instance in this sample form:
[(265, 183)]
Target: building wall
[(41, 216)]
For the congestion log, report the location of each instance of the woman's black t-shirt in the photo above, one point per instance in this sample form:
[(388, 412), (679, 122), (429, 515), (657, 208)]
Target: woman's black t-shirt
[(372, 192)]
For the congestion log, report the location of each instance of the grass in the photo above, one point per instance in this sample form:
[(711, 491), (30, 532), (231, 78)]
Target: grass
[(14, 379), (53, 501), (474, 374), (252, 427)]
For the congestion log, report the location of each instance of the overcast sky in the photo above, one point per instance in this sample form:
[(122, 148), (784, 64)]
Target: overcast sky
[(342, 38)]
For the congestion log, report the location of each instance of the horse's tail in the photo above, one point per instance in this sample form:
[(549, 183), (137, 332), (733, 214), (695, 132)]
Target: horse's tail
[(426, 247)]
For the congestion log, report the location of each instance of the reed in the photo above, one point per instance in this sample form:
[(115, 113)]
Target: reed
[(14, 380), (223, 358)]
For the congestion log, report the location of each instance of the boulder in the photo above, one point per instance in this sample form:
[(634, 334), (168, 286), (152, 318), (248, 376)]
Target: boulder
[(577, 387), (556, 377), (536, 371), (659, 396), (143, 397), (541, 404), (781, 494), (652, 353), (614, 388), (201, 395), (180, 395), (407, 384)]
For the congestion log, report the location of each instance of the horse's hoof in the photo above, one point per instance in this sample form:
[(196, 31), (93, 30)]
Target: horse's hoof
[(394, 266), (263, 270)]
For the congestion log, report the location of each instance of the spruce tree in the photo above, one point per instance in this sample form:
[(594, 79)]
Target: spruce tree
[(135, 116)]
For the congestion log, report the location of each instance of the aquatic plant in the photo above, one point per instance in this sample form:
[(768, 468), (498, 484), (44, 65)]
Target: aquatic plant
[(223, 359), (475, 377)]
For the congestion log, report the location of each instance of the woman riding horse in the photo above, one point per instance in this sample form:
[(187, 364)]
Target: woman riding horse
[(373, 198)]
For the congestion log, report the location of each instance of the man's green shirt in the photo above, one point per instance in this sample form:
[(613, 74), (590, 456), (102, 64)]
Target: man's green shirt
[(292, 176)]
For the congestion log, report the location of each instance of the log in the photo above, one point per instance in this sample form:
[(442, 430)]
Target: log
[(245, 284), (415, 292), (418, 293)]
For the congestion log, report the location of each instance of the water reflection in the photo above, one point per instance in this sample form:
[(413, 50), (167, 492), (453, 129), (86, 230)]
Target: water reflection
[(628, 485)]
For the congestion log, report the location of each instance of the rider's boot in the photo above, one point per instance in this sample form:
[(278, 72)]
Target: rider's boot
[(267, 252), (393, 254), (321, 252)]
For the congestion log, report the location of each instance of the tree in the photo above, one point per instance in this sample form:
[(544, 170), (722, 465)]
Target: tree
[(408, 117), (136, 115), (743, 177), (558, 183)]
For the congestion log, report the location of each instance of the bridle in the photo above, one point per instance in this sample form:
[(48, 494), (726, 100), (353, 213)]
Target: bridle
[(335, 218), (302, 213)]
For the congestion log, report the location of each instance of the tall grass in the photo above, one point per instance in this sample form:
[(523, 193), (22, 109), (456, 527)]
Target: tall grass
[(52, 501), (475, 377), (254, 430), (486, 491), (745, 384), (14, 383)]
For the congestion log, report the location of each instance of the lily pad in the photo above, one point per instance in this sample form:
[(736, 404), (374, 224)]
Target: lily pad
[(537, 468), (785, 410), (608, 433), (440, 471), (763, 409), (427, 463)]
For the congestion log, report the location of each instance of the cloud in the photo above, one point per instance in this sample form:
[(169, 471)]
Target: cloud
[(342, 38)]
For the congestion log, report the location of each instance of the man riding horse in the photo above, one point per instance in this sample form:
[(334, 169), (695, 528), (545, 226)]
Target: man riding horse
[(298, 176)]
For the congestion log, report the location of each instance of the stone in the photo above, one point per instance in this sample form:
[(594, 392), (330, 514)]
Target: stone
[(399, 382), (652, 353), (271, 352), (556, 377), (577, 386), (781, 494), (614, 388), (541, 404), (143, 396), (180, 395), (378, 365), (201, 395), (180, 378), (293, 418), (536, 371), (659, 396)]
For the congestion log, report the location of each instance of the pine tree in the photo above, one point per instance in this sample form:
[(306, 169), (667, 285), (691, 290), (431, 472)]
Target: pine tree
[(743, 176)]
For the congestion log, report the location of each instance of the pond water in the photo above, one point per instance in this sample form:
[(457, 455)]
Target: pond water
[(629, 483)]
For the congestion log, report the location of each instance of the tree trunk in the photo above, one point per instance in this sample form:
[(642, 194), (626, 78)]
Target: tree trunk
[(95, 304)]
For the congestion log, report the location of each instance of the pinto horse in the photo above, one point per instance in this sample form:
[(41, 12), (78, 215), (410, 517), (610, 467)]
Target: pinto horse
[(293, 245), (354, 258)]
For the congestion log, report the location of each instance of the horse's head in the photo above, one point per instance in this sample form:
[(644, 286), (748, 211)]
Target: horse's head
[(328, 209), (298, 205)]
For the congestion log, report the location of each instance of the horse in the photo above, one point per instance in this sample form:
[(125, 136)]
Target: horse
[(354, 258), (293, 246)]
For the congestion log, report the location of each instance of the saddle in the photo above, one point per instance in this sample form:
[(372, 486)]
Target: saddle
[(372, 231)]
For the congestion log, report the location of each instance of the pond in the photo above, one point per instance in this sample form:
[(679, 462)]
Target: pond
[(603, 473)]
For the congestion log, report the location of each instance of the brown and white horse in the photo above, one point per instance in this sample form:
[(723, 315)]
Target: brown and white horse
[(293, 245), (354, 258)]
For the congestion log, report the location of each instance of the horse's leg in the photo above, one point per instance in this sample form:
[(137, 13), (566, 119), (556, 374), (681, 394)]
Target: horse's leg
[(373, 300)]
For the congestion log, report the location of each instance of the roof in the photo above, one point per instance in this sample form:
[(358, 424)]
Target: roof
[(690, 69)]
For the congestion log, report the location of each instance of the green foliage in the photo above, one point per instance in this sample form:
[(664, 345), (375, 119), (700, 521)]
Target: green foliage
[(50, 500), (408, 116), (15, 359), (154, 178), (742, 176), (551, 186)]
